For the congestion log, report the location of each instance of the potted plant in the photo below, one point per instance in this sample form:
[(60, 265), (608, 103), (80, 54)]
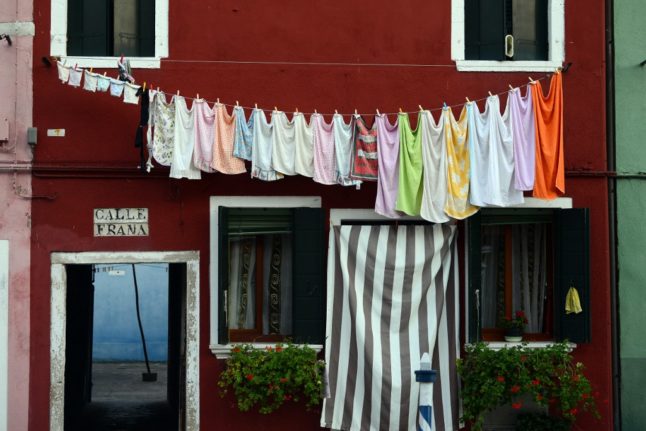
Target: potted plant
[(548, 376), (515, 326), (267, 378)]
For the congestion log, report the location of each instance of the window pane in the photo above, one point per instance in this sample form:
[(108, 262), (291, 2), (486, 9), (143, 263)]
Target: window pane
[(530, 29), (493, 276), (125, 27)]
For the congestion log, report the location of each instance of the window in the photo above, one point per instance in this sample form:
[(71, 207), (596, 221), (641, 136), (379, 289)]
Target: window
[(98, 32), (270, 270), (500, 35), (527, 259)]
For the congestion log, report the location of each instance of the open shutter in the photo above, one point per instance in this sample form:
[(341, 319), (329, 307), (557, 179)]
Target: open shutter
[(146, 28), (223, 274), (475, 274), (87, 27), (484, 29), (572, 268), (308, 278)]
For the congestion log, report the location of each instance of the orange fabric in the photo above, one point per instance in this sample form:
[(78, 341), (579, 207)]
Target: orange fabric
[(223, 160), (548, 114)]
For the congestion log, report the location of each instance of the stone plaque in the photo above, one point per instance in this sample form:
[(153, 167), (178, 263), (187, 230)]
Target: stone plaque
[(121, 222)]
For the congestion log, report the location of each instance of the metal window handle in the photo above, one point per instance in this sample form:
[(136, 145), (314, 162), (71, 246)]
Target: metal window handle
[(509, 45)]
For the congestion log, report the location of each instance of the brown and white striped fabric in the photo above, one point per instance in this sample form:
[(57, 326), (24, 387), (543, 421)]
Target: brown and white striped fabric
[(392, 295)]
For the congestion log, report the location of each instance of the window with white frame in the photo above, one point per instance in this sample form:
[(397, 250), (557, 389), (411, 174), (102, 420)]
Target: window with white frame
[(508, 35), (94, 33), (267, 262)]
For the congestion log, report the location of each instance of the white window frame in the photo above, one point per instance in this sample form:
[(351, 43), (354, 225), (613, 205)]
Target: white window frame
[(556, 40), (222, 351), (58, 40), (558, 203)]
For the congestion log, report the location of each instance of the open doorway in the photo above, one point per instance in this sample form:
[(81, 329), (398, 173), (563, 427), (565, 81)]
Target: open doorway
[(125, 366)]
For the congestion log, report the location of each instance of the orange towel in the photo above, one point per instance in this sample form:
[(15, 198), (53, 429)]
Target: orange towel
[(548, 114)]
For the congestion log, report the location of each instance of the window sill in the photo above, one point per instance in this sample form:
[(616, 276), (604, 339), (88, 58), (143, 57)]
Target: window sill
[(111, 62), (506, 66), (223, 351), (498, 345)]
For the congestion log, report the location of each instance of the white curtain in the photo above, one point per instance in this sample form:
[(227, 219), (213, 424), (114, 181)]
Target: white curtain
[(529, 262)]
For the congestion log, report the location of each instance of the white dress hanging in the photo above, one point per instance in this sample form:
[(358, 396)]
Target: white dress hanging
[(491, 153), (304, 145), (261, 166), (284, 145), (184, 143), (343, 150), (434, 184)]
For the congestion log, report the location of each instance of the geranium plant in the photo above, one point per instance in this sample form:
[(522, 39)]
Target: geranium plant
[(518, 321), (267, 378), (492, 378)]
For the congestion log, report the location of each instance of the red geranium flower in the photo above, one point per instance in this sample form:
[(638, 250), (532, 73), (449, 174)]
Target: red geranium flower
[(283, 379), (250, 377), (517, 405), (536, 382), (515, 389), (574, 411), (539, 397), (279, 349), (501, 379)]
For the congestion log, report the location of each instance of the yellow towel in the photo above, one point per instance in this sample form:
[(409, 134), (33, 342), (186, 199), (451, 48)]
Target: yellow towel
[(572, 301)]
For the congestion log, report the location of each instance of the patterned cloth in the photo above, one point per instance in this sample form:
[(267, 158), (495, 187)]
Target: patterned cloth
[(223, 160), (324, 160), (457, 200), (365, 165), (243, 140), (162, 123)]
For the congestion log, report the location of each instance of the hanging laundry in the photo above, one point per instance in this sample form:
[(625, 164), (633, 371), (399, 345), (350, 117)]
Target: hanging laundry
[(130, 93), (548, 112), (523, 128), (152, 95), (63, 72), (116, 87), (204, 117), (388, 166), (103, 83), (90, 81), (162, 122), (184, 142), (144, 115), (365, 165), (284, 147), (343, 150), (304, 142), (261, 166), (491, 153), (409, 195), (225, 127), (324, 158), (458, 166), (243, 140), (434, 181), (75, 77)]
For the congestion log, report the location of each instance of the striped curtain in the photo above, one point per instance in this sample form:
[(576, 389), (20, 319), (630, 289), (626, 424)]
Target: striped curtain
[(391, 296)]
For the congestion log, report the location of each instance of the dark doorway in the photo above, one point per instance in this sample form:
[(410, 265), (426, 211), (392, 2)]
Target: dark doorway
[(104, 387)]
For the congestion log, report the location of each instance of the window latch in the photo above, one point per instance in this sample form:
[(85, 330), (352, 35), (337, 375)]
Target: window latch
[(509, 46)]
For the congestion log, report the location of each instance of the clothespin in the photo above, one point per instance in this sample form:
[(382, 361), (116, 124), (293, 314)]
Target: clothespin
[(490, 95), (178, 92), (355, 113), (143, 88), (511, 88), (378, 112), (420, 108), (91, 69), (217, 100), (336, 112), (468, 101), (255, 105), (297, 109), (76, 66), (315, 111), (275, 108), (400, 110), (237, 104), (444, 105), (105, 73), (531, 80), (158, 89), (197, 96)]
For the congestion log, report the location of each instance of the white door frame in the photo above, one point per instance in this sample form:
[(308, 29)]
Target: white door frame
[(59, 319)]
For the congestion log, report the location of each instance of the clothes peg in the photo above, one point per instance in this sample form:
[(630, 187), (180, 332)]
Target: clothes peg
[(178, 92), (217, 100), (158, 89), (378, 112), (511, 88), (444, 105), (420, 108), (468, 101), (91, 69), (400, 110), (76, 66), (255, 105), (531, 80), (336, 112), (197, 96), (297, 109), (237, 104), (276, 108), (315, 111), (105, 74), (490, 95), (144, 88), (355, 113)]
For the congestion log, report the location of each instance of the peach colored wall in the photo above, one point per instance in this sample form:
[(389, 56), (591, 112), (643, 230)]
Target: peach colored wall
[(16, 105)]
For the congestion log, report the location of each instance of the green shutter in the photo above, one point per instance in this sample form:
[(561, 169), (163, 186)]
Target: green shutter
[(484, 29), (572, 268), (146, 28), (308, 277), (87, 27), (475, 274), (223, 274)]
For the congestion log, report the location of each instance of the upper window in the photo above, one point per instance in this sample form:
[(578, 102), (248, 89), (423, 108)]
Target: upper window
[(508, 35), (97, 32), (270, 270), (526, 260)]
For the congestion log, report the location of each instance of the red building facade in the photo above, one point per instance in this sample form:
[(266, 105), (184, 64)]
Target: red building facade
[(296, 55)]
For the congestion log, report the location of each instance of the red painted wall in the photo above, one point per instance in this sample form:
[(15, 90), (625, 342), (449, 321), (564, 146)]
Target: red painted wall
[(100, 132)]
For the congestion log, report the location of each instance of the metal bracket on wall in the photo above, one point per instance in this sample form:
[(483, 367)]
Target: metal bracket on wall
[(643, 63)]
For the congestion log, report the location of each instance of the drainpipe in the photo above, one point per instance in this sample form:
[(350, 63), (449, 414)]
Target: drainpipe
[(612, 213)]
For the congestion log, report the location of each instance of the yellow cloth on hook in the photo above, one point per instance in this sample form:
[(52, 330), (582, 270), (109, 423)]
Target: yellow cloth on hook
[(572, 302)]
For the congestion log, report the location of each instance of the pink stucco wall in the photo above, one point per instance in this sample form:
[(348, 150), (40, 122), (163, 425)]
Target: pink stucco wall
[(16, 105)]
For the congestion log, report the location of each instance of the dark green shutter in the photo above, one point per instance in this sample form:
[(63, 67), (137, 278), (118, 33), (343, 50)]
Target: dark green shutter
[(146, 28), (223, 274), (475, 274), (529, 46), (308, 277), (484, 29), (87, 27), (572, 268)]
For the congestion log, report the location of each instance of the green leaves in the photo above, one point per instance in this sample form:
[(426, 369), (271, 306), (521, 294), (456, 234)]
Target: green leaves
[(266, 378), (491, 378)]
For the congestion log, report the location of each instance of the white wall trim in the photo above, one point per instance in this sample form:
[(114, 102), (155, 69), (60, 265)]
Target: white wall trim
[(240, 202), (556, 30), (58, 41), (59, 313), (17, 28), (4, 334)]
